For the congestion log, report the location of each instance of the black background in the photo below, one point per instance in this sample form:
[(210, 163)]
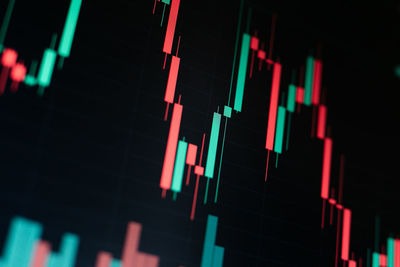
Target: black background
[(87, 157)]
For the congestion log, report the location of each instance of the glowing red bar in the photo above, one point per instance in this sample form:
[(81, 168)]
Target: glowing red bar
[(172, 143), (152, 261), (172, 78), (9, 57), (352, 263), (396, 253), (326, 168), (382, 260), (42, 251), (103, 259), (316, 91), (276, 77), (300, 95), (322, 110), (199, 170), (18, 72), (131, 243), (254, 42), (346, 234), (261, 54), (169, 36), (191, 155)]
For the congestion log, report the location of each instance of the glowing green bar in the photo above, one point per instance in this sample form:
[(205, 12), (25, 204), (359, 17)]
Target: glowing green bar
[(308, 83), (218, 258), (375, 259), (209, 241), (280, 127), (68, 250), (115, 263), (54, 260), (47, 67), (67, 37), (6, 21), (212, 148), (179, 167), (390, 252), (291, 101), (244, 55), (166, 1)]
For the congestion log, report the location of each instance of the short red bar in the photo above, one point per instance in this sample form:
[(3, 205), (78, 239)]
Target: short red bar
[(103, 259), (191, 155), (254, 42), (18, 72), (322, 110), (346, 234), (172, 143), (316, 92), (131, 245), (199, 170), (9, 57), (326, 168), (273, 106), (382, 260), (42, 251), (169, 36), (352, 263), (396, 253), (261, 54), (300, 95), (172, 78)]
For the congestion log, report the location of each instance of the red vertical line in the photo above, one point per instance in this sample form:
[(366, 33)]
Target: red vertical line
[(266, 167), (172, 78), (317, 82), (252, 63), (165, 61), (322, 111), (166, 112), (197, 182), (42, 251), (131, 243), (338, 236), (3, 79), (154, 7), (346, 234), (170, 152), (273, 106), (169, 36), (313, 122), (103, 259), (272, 37), (323, 213), (188, 175), (341, 177), (177, 48), (359, 262), (332, 203), (261, 56), (179, 99), (163, 193), (326, 168)]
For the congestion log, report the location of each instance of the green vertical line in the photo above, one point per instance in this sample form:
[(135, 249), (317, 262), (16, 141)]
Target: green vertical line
[(291, 101), (174, 194), (206, 193), (212, 148), (53, 41), (288, 130), (375, 259), (179, 167), (276, 160), (46, 69), (368, 257), (220, 162), (390, 252), (248, 20), (209, 241), (67, 37), (236, 48), (6, 22), (162, 17), (308, 83), (280, 126), (241, 79)]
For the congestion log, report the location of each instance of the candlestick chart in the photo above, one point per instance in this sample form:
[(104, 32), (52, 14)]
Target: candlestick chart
[(174, 133)]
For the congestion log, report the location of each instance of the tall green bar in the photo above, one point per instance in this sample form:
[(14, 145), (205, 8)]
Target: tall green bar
[(280, 127), (244, 55), (46, 67), (68, 250), (179, 167), (390, 252), (218, 257), (291, 101), (209, 241), (308, 82), (375, 259), (69, 28), (212, 148)]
